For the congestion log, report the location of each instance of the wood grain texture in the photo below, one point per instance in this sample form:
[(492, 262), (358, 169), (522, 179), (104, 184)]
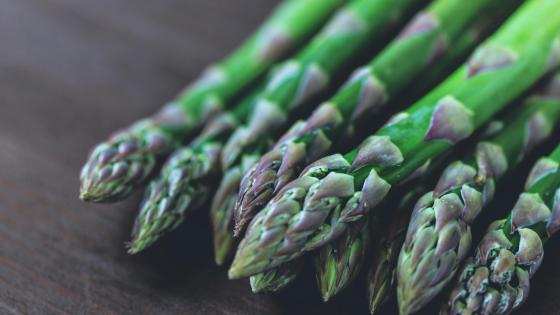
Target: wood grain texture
[(71, 72)]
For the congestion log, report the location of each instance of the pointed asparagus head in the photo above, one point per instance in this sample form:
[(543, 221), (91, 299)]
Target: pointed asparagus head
[(438, 237), (304, 142), (382, 276), (496, 280), (380, 282), (428, 258), (264, 235), (338, 263), (179, 190), (278, 278), (297, 219), (115, 168), (280, 232), (222, 210)]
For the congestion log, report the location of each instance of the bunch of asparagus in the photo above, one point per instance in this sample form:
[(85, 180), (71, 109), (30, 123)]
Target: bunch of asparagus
[(479, 74)]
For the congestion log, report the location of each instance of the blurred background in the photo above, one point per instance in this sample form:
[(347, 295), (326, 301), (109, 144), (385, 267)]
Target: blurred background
[(71, 72)]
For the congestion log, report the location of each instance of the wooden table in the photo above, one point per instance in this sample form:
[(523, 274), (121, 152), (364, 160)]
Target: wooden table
[(72, 71)]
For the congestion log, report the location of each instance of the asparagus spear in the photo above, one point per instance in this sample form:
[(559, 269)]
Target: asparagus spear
[(337, 264), (381, 279), (434, 33), (439, 236), (276, 279), (122, 163), (293, 83), (303, 215), (496, 279)]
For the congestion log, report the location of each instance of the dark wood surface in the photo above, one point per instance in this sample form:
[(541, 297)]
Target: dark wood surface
[(72, 71)]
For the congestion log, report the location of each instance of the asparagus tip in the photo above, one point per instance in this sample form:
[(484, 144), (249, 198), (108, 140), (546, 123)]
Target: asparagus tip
[(404, 307), (328, 289), (240, 269), (134, 247), (377, 301), (221, 253), (234, 273), (223, 247), (219, 261), (244, 212), (140, 240), (94, 192), (110, 174), (256, 285), (255, 290), (85, 196), (239, 227)]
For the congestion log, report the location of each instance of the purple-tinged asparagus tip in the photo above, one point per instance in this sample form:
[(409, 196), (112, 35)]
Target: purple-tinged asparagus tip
[(116, 168), (124, 162), (181, 189), (221, 213)]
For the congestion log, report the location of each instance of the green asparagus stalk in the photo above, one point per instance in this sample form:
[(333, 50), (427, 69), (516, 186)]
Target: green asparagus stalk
[(129, 157), (221, 211), (382, 275), (276, 279), (338, 263), (293, 83), (439, 235), (445, 28), (303, 216), (496, 280)]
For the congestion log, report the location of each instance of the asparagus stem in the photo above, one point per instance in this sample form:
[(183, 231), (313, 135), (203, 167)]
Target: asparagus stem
[(129, 157), (507, 64), (496, 280), (439, 234), (436, 38)]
